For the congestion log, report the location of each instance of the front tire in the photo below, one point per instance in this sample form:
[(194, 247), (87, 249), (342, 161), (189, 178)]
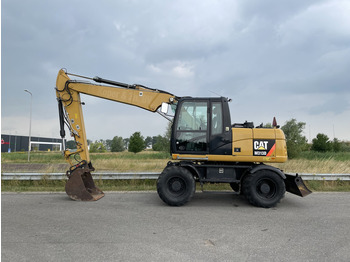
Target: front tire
[(263, 188), (176, 186)]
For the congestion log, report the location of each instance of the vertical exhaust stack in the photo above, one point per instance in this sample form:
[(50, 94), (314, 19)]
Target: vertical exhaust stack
[(274, 122)]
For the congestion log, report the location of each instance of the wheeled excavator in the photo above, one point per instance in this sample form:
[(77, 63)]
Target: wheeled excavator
[(205, 147)]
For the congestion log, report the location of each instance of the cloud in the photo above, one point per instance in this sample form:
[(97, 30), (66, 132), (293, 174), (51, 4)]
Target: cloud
[(178, 69), (294, 55), (334, 104), (322, 24)]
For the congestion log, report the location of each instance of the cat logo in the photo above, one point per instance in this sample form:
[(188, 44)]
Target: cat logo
[(260, 145), (263, 147)]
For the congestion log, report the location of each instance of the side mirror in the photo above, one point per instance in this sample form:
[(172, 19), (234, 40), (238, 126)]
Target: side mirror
[(164, 108)]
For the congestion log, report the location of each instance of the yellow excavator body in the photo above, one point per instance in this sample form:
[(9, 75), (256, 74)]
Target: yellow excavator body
[(204, 145), (250, 145)]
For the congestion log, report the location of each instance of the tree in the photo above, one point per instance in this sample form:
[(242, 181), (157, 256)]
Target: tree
[(108, 144), (126, 142), (136, 143), (71, 144), (345, 146), (336, 145), (148, 141), (169, 131), (321, 143), (117, 144), (296, 142), (162, 143), (97, 147)]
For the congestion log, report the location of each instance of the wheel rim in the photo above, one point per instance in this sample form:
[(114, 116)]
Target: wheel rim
[(177, 186), (266, 188)]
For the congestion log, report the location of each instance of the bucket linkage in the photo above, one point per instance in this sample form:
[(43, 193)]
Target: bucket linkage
[(80, 185)]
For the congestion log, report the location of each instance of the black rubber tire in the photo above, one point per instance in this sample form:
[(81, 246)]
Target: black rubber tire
[(263, 188), (235, 186), (176, 186)]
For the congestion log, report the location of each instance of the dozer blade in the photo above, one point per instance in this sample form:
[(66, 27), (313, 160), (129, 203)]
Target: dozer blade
[(295, 185), (81, 186)]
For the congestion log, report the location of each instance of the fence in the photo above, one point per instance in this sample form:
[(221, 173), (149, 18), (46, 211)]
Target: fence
[(143, 175)]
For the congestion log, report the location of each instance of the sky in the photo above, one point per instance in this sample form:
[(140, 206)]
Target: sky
[(288, 59)]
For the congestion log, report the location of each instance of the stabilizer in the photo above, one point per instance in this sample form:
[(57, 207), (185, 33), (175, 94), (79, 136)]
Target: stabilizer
[(296, 186)]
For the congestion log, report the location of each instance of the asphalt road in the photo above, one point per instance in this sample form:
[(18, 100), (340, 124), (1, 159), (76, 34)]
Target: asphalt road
[(139, 227)]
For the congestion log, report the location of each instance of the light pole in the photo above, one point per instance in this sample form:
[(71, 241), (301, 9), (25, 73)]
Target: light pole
[(30, 122)]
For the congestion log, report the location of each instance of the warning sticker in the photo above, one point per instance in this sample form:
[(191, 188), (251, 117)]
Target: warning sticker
[(263, 147)]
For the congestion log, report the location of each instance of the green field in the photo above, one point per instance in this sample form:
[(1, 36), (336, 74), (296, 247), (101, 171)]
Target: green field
[(151, 161)]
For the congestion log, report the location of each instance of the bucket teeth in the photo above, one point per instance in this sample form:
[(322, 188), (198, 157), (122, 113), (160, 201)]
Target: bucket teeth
[(81, 186)]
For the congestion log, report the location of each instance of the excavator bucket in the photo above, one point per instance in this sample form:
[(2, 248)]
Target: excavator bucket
[(295, 185), (81, 186)]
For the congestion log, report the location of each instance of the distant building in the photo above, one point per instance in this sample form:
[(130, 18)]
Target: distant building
[(14, 143)]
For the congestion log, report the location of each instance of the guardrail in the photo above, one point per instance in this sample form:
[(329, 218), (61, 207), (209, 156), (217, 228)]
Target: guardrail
[(60, 176), (344, 177), (143, 175)]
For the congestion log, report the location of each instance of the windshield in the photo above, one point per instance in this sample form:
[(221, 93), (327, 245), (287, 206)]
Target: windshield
[(193, 116), (191, 127)]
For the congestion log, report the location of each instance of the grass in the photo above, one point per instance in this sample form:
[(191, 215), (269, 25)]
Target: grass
[(336, 156), (118, 162), (147, 185), (145, 155), (318, 163), (57, 157), (328, 186), (58, 185), (309, 162), (316, 166), (35, 157), (33, 185)]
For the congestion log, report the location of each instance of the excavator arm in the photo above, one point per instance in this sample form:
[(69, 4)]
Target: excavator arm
[(80, 185)]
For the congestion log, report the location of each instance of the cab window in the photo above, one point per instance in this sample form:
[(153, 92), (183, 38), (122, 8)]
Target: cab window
[(216, 119), (191, 127)]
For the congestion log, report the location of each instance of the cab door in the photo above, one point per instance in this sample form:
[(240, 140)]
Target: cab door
[(190, 130), (220, 139)]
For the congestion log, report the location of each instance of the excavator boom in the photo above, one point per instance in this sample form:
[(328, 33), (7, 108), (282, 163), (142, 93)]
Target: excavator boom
[(80, 185)]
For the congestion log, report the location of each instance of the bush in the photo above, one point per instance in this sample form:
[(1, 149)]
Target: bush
[(336, 145), (117, 144), (161, 144), (136, 143), (97, 147), (321, 143), (296, 142), (345, 146), (71, 144)]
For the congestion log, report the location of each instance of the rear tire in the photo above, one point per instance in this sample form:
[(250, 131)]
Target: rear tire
[(235, 186), (263, 188), (176, 186)]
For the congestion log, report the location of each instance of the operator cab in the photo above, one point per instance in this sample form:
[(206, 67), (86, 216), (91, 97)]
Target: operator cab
[(202, 126)]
